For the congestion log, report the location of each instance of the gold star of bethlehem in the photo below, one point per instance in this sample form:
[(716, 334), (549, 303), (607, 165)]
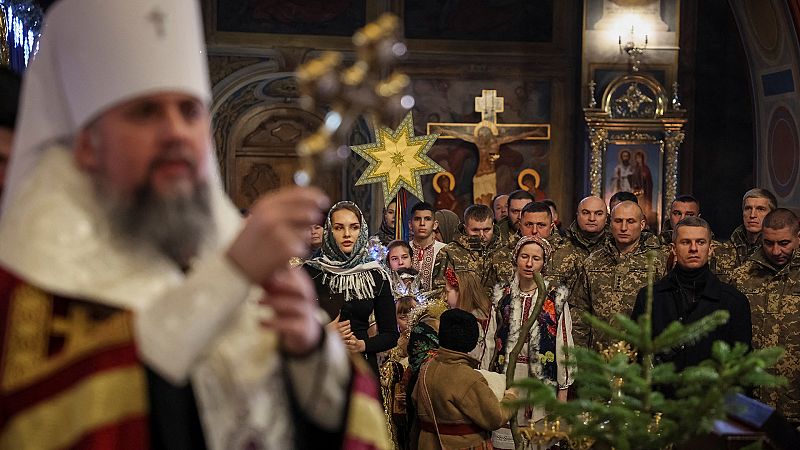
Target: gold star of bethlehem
[(398, 160)]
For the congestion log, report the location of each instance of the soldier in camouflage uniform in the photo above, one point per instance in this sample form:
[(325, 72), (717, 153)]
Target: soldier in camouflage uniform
[(683, 206), (509, 226), (611, 276), (586, 234), (688, 206), (746, 239), (537, 220), (770, 279), (479, 248)]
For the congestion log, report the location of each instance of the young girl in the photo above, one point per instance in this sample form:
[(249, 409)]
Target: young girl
[(393, 388), (464, 291)]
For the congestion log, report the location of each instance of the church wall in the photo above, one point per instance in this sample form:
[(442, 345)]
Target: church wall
[(720, 142), (769, 31), (527, 50)]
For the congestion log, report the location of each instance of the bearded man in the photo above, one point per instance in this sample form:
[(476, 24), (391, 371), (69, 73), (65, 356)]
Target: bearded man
[(136, 309)]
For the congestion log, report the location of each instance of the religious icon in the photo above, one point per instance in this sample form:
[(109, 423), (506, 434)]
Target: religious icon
[(637, 170), (529, 180), (444, 183)]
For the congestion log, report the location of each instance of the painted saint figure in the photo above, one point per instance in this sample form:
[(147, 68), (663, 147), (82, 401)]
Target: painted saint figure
[(642, 181), (623, 173)]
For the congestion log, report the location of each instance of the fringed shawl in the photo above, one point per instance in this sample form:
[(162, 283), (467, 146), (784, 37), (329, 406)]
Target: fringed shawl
[(349, 274)]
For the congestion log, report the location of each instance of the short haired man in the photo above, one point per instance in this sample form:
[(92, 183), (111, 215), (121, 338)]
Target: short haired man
[(500, 207), (770, 278), (536, 219), (682, 207), (621, 196), (424, 246), (688, 206), (517, 200), (611, 276), (127, 272), (691, 291), (478, 248), (9, 98), (585, 235), (554, 213), (746, 238)]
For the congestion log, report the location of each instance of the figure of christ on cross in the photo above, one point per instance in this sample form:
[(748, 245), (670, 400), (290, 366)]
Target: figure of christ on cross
[(488, 136)]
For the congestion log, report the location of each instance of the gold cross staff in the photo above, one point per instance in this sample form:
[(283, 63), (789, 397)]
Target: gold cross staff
[(370, 87)]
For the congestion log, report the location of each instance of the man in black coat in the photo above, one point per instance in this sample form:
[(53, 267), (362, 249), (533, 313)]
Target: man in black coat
[(690, 292)]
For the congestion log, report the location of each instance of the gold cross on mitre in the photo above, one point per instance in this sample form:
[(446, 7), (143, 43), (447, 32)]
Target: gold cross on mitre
[(158, 18), (488, 136)]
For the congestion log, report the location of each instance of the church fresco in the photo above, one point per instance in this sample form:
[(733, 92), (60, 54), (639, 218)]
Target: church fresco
[(312, 17), (448, 100), (476, 20)]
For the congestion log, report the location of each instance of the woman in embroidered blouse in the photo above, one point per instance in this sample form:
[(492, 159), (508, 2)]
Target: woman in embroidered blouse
[(542, 356), (351, 285)]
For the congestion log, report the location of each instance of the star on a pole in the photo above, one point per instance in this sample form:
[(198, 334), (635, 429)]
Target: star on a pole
[(398, 159)]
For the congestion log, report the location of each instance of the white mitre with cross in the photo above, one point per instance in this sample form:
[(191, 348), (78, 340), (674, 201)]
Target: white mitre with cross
[(95, 54)]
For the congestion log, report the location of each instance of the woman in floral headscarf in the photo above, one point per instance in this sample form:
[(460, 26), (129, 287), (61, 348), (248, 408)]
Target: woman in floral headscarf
[(351, 285), (543, 355)]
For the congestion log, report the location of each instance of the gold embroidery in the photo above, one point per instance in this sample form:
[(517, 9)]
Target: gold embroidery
[(366, 421), (32, 324), (30, 311), (100, 400)]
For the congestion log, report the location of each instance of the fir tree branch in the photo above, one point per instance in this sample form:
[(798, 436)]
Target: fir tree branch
[(677, 334)]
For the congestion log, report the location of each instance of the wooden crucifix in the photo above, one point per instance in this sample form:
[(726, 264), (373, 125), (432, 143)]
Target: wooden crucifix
[(488, 136)]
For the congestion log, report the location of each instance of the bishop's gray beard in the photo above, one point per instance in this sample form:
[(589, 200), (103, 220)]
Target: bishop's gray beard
[(176, 226)]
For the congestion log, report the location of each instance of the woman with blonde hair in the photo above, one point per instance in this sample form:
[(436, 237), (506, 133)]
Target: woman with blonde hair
[(464, 291)]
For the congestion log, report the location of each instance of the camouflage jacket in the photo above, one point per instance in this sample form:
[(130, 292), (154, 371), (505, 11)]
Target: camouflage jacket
[(774, 296), (735, 252), (608, 282), (569, 252), (504, 228), (491, 261)]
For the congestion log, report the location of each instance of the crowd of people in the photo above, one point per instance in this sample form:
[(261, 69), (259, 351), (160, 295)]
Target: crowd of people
[(484, 265)]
